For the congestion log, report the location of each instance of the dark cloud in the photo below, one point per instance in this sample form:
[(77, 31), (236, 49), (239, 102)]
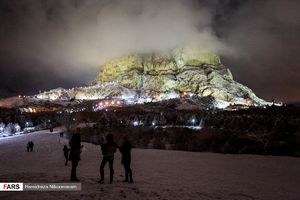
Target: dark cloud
[(51, 43), (265, 39), (84, 34), (28, 77)]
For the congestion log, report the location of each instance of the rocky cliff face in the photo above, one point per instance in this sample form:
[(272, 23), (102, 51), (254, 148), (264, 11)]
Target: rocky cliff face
[(182, 71)]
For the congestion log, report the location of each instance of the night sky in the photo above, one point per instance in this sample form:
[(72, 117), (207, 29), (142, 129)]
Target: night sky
[(62, 43)]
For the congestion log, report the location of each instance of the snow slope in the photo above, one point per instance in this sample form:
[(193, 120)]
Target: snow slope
[(158, 174)]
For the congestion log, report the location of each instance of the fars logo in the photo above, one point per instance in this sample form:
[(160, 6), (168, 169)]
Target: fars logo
[(11, 186)]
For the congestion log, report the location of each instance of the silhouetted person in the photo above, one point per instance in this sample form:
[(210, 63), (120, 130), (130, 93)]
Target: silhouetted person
[(125, 150), (61, 134), (66, 154), (108, 151), (75, 154), (30, 145)]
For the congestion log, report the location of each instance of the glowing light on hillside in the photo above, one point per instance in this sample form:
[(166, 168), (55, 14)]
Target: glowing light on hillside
[(135, 123), (249, 102), (28, 124)]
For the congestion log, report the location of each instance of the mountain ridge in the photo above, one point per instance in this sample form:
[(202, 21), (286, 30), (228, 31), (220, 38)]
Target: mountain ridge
[(159, 76)]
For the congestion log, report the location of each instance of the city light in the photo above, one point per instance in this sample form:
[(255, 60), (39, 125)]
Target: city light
[(135, 123)]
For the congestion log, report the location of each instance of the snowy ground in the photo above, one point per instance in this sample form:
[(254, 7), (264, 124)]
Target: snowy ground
[(158, 174)]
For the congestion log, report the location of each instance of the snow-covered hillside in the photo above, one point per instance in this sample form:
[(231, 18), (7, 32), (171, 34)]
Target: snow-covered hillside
[(158, 174)]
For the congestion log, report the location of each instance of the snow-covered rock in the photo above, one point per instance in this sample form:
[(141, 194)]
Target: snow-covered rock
[(155, 75)]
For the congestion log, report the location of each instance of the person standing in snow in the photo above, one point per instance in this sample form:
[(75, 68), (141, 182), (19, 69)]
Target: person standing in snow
[(125, 150), (30, 145), (66, 154), (108, 151), (75, 154)]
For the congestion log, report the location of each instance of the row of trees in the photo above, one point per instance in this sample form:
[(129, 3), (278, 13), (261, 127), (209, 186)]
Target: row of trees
[(9, 129)]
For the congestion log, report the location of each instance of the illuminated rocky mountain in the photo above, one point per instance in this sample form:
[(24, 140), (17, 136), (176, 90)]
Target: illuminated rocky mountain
[(182, 72)]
